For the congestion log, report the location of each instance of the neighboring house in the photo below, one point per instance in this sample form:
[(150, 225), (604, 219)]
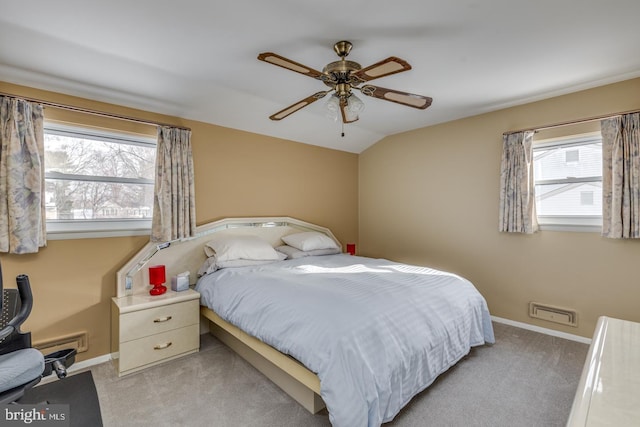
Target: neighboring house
[(569, 178)]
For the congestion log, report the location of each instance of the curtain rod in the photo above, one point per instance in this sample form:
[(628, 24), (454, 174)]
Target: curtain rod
[(92, 112), (572, 122)]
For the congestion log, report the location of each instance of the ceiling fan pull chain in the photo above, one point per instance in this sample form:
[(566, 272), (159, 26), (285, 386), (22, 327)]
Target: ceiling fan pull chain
[(343, 129)]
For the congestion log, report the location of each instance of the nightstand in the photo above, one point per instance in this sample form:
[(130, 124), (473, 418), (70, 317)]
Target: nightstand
[(147, 330)]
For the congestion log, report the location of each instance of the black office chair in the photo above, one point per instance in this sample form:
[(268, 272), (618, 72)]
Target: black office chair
[(21, 366)]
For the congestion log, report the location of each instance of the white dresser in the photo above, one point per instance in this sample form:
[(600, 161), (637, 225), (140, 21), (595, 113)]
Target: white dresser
[(147, 330), (609, 390)]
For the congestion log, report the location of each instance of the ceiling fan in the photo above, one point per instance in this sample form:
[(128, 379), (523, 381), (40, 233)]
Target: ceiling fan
[(343, 77)]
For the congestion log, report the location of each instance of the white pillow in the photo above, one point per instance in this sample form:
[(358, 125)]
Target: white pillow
[(211, 264), (226, 248), (309, 241), (248, 262), (208, 266), (293, 253)]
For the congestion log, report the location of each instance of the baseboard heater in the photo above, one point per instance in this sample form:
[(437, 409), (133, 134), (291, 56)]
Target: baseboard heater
[(551, 313), (78, 341)]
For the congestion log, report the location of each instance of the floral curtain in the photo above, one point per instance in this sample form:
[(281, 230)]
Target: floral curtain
[(621, 176), (517, 195), (174, 209), (22, 196)]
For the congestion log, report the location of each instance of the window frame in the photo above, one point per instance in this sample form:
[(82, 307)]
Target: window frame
[(63, 229), (579, 223)]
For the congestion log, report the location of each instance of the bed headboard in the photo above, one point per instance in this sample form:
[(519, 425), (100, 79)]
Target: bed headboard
[(188, 254)]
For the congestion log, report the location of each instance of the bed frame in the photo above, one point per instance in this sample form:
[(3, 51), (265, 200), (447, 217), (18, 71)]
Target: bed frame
[(286, 372), (188, 255)]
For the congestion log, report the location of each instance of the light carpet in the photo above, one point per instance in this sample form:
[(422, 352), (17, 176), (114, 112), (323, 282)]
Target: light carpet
[(525, 379)]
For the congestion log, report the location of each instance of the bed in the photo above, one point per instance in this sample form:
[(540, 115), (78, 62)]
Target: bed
[(359, 335)]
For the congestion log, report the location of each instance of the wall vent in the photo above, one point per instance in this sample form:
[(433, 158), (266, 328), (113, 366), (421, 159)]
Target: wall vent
[(78, 340), (554, 314)]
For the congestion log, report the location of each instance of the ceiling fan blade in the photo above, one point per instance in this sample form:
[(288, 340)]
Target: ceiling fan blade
[(345, 112), (283, 62), (404, 98), (298, 105), (391, 65)]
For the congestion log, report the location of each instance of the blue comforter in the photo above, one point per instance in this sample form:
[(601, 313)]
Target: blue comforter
[(375, 332)]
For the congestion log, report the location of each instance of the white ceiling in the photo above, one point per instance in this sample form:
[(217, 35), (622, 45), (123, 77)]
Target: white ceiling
[(197, 58)]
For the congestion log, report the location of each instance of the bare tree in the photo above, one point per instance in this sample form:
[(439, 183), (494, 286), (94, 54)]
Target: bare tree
[(75, 159)]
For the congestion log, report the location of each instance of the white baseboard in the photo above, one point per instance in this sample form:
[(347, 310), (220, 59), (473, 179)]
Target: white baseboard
[(545, 331), (81, 366)]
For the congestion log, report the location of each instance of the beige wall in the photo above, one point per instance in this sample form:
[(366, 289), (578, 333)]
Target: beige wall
[(430, 197), (236, 174)]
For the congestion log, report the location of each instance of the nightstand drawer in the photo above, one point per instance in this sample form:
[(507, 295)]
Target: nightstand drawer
[(147, 350), (142, 323)]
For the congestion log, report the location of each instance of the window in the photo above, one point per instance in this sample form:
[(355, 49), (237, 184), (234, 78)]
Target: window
[(568, 180), (97, 183)]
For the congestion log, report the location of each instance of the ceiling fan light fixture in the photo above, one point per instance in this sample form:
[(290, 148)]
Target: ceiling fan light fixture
[(352, 110), (355, 105), (332, 107)]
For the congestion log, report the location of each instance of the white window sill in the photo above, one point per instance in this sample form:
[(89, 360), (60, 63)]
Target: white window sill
[(584, 224), (577, 228), (67, 230)]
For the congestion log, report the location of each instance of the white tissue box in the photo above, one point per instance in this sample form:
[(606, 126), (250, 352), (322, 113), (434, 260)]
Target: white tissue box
[(180, 282)]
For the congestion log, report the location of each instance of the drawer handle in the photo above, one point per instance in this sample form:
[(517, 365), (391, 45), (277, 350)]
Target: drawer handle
[(162, 319), (162, 346)]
